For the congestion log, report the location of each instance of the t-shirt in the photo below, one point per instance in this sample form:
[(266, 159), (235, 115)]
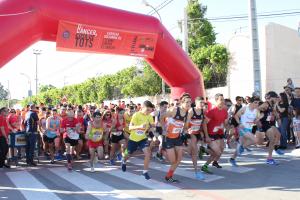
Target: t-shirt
[(138, 119), (216, 118), (3, 123), (67, 123), (13, 121), (80, 120)]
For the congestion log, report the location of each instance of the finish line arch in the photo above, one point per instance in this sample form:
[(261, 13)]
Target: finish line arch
[(24, 22)]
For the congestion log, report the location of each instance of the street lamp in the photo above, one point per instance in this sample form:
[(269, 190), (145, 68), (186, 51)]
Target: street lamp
[(29, 81), (37, 52), (163, 85)]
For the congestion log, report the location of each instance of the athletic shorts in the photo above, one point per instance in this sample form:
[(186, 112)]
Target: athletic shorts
[(48, 140), (265, 127), (243, 131), (159, 130), (216, 137), (95, 145), (198, 136), (132, 146), (172, 142), (116, 138), (70, 141)]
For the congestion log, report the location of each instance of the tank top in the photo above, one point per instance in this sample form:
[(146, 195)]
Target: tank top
[(248, 118), (53, 124), (119, 126), (96, 134), (196, 122), (268, 117), (175, 124)]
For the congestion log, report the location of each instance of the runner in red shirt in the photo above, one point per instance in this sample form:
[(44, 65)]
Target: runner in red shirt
[(70, 129), (216, 120), (4, 131), (81, 141)]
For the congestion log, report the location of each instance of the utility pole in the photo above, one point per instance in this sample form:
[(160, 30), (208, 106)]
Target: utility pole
[(37, 52), (255, 47), (185, 44), (8, 95)]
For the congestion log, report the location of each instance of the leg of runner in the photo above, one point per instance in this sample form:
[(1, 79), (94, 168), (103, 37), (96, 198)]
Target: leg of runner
[(272, 142), (214, 151), (68, 154), (92, 158), (57, 147), (112, 153), (78, 149), (100, 152), (175, 157), (160, 147), (221, 145), (147, 154), (194, 151), (51, 149)]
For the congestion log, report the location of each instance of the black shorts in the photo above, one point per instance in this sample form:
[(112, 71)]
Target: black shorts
[(198, 136), (70, 141), (265, 127), (216, 136), (48, 140), (170, 143), (132, 146), (159, 130), (116, 138), (233, 122), (81, 137)]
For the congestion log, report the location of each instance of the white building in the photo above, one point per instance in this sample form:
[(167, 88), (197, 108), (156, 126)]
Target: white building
[(280, 59)]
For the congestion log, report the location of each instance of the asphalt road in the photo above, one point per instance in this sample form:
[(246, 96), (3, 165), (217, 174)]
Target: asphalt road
[(253, 179)]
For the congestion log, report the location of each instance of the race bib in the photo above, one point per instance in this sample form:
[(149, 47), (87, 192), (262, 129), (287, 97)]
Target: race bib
[(118, 133), (177, 130), (97, 136), (195, 128), (72, 134), (140, 132)]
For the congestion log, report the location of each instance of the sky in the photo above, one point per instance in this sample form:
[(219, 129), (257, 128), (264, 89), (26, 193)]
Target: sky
[(65, 68)]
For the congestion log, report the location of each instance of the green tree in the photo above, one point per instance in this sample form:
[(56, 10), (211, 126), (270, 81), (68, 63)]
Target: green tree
[(3, 92), (211, 58), (44, 88)]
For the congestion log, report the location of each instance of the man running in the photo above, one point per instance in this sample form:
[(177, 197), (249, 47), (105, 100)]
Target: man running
[(196, 121), (176, 120), (246, 118), (268, 121), (140, 124), (71, 128), (216, 120)]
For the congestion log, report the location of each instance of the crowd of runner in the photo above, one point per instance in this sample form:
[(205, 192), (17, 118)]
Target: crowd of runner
[(164, 131)]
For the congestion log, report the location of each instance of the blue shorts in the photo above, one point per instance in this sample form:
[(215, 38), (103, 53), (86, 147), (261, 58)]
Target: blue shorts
[(244, 131), (132, 146)]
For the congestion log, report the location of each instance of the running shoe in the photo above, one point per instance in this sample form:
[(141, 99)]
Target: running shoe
[(272, 162), (171, 180), (199, 176), (119, 156), (205, 169), (233, 162), (106, 156), (52, 162), (123, 167), (279, 152), (112, 162), (58, 157), (216, 164), (297, 147), (146, 175), (247, 149), (92, 169)]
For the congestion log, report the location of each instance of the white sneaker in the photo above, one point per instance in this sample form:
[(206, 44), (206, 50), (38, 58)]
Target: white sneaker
[(106, 156), (92, 169)]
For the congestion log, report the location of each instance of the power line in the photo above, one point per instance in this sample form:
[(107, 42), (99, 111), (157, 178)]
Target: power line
[(153, 12)]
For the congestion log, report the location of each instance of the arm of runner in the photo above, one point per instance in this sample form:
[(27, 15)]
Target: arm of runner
[(238, 115), (205, 131), (88, 130)]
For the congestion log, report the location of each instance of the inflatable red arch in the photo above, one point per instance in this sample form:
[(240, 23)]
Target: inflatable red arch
[(24, 22)]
